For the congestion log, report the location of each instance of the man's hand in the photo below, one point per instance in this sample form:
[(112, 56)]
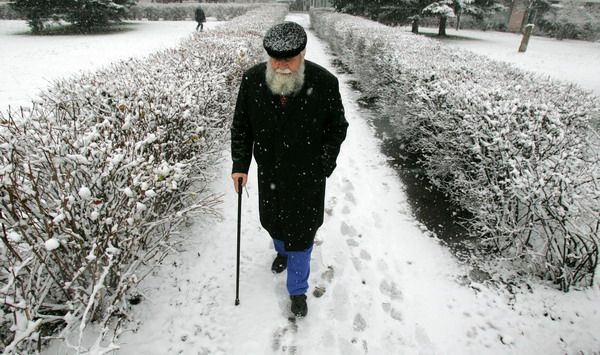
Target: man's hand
[(235, 177)]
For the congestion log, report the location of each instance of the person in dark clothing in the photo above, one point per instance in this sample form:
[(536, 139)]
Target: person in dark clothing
[(200, 18), (289, 115)]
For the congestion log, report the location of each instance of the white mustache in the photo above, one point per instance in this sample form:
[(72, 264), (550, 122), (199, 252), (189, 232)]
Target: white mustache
[(283, 71)]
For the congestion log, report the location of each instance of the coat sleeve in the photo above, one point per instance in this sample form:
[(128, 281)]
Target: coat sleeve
[(242, 137), (335, 130)]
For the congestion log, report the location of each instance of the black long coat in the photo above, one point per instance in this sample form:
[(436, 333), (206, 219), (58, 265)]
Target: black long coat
[(199, 14), (295, 148)]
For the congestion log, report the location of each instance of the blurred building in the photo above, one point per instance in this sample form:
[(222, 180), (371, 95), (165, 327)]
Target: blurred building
[(319, 3)]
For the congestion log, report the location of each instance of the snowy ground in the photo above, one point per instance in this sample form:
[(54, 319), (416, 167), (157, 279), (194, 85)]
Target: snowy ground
[(567, 60), (388, 287), (29, 63)]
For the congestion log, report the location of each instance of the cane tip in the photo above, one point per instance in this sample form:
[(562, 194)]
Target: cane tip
[(237, 302)]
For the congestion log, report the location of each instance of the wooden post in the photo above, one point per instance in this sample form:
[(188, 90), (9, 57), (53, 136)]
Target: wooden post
[(525, 39)]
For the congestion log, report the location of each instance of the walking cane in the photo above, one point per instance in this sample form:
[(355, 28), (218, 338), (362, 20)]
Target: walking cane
[(239, 228)]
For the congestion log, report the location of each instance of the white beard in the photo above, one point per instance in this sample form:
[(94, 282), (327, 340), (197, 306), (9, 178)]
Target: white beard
[(284, 82)]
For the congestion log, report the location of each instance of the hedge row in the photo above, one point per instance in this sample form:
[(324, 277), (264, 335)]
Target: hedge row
[(518, 151), (100, 173), (167, 12), (185, 11), (7, 13)]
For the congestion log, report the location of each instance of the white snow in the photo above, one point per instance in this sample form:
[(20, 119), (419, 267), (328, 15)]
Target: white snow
[(85, 193), (51, 244), (567, 60), (14, 237), (30, 63), (389, 288)]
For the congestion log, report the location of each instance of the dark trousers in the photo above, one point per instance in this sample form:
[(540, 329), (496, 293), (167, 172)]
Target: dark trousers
[(201, 25)]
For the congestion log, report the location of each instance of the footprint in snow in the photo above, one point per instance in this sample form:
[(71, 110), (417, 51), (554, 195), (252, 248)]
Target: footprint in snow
[(365, 255), (394, 313), (347, 185), (345, 210), (386, 187), (332, 201), (290, 349), (277, 336), (348, 230), (359, 323), (352, 243), (282, 335), (390, 289), (319, 291), (327, 275), (349, 196)]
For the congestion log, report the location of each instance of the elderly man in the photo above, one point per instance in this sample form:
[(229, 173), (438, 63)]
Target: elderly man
[(289, 113)]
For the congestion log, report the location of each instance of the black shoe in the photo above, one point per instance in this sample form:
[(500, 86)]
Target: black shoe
[(279, 264), (299, 307)]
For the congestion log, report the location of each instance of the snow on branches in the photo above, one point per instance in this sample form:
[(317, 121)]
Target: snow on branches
[(98, 174), (516, 150), (441, 8)]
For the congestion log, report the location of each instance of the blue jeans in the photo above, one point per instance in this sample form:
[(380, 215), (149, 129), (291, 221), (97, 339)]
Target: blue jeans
[(298, 268)]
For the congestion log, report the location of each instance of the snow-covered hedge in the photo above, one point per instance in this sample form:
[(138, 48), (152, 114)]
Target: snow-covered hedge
[(99, 174), (166, 12), (514, 149), (185, 11), (7, 13)]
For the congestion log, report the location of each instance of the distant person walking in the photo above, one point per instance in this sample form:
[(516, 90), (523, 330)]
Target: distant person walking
[(200, 18)]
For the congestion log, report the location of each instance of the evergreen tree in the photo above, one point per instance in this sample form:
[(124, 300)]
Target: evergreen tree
[(391, 12), (444, 9), (84, 14), (37, 11), (396, 12)]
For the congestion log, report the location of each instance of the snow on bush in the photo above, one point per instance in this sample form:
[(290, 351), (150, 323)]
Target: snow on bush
[(100, 172), (516, 150), (180, 12), (7, 13), (166, 12)]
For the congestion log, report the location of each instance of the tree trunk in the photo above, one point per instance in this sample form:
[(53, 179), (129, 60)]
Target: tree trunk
[(442, 29), (415, 26), (458, 21), (525, 39)]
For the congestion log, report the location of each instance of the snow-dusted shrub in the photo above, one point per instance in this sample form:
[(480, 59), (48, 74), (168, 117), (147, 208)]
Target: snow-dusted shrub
[(516, 150), (181, 12), (98, 174), (572, 19), (7, 13)]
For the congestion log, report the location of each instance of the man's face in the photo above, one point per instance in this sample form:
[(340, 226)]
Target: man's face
[(285, 76), (287, 65)]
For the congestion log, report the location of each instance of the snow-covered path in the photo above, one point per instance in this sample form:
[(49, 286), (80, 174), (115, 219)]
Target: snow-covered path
[(389, 287)]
